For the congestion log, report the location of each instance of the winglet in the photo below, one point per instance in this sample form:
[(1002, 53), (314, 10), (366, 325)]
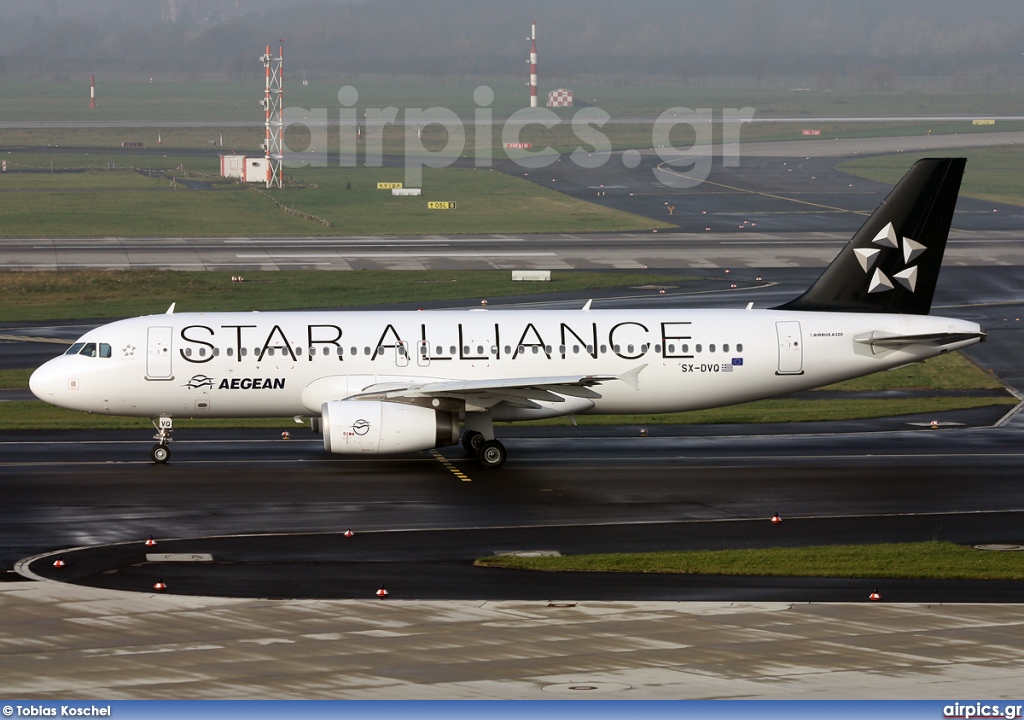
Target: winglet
[(170, 310), (586, 308), (632, 377)]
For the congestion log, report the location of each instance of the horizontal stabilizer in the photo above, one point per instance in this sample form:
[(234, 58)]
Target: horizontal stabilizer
[(894, 342)]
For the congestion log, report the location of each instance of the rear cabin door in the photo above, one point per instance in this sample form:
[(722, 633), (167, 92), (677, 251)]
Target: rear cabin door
[(791, 351)]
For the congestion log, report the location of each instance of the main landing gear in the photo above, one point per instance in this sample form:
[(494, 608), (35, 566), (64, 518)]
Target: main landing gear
[(161, 453), (490, 453)]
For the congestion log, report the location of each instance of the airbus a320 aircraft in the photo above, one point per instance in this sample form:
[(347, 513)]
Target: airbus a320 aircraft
[(396, 382)]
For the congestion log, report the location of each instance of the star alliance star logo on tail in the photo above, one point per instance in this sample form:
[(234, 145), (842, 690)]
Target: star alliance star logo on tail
[(868, 257)]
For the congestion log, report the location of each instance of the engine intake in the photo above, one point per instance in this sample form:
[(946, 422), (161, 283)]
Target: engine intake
[(353, 427)]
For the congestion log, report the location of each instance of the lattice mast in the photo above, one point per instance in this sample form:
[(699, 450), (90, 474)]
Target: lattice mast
[(273, 104), (533, 64)]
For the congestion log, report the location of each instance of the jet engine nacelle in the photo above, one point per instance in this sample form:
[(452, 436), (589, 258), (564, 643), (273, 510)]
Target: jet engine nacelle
[(352, 427)]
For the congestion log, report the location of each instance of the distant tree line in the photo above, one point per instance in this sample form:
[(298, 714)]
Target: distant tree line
[(874, 40)]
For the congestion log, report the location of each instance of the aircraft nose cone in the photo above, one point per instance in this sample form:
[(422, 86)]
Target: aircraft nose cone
[(43, 381)]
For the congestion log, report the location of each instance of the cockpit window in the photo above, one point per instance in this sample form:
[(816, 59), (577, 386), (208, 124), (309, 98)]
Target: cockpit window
[(90, 349)]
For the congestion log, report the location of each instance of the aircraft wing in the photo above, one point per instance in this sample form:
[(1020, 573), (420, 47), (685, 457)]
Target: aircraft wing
[(520, 392)]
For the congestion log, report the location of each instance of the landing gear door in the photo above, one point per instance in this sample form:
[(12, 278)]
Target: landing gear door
[(158, 353), (791, 350)]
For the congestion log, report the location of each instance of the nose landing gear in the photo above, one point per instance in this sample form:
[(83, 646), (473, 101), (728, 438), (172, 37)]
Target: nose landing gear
[(161, 453)]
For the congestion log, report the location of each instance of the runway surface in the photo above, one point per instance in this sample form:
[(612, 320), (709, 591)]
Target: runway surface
[(419, 526), (560, 488)]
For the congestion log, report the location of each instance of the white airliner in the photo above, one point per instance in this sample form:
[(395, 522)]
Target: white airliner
[(396, 382)]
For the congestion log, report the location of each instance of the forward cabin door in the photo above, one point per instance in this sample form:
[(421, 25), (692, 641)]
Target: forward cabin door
[(158, 353), (791, 350)]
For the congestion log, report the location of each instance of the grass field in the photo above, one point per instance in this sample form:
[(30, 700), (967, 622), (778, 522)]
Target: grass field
[(561, 138), (237, 101), (87, 199), (995, 174), (215, 103), (128, 293), (897, 560)]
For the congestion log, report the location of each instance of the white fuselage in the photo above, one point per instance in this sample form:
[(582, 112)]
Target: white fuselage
[(289, 363)]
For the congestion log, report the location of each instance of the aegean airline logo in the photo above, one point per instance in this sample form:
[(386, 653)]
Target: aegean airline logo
[(199, 382)]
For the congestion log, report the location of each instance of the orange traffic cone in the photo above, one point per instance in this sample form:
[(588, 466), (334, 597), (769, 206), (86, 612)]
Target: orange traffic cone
[(776, 519), (874, 595), (159, 585), (151, 542), (348, 533), (382, 593), (59, 562)]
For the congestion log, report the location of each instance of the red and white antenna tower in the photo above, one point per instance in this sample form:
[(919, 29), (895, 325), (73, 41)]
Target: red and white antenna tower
[(273, 105), (92, 92), (533, 64)]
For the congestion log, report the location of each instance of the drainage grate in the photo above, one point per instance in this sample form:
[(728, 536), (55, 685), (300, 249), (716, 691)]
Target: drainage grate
[(578, 688), (999, 547), (179, 557)]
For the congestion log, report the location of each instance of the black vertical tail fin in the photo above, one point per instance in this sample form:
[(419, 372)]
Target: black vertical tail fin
[(893, 261)]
